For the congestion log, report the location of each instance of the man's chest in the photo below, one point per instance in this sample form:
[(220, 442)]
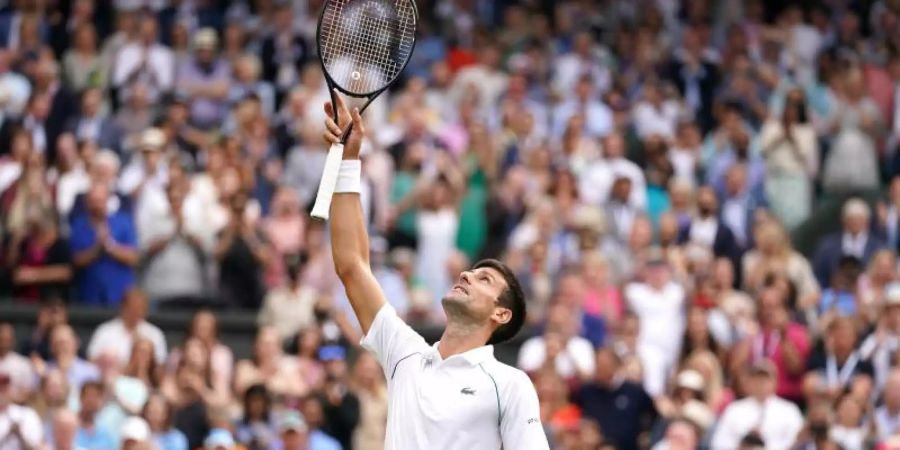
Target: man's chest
[(451, 397)]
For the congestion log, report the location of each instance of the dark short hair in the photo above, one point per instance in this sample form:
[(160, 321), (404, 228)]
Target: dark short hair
[(512, 297)]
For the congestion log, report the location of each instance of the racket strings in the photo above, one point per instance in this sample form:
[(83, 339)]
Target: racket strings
[(366, 44)]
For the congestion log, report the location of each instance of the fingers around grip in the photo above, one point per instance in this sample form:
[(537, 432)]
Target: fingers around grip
[(357, 121)]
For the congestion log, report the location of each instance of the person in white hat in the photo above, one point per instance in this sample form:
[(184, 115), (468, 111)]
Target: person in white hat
[(134, 434), (204, 81), (148, 170)]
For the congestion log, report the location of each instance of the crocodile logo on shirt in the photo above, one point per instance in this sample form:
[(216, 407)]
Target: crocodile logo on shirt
[(467, 391)]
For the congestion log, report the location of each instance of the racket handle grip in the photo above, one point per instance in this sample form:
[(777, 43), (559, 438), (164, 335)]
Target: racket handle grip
[(322, 206)]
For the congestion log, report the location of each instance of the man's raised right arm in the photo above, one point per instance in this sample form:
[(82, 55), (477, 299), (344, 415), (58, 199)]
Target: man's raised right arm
[(349, 238)]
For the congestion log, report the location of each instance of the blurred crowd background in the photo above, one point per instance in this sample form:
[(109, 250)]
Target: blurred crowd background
[(701, 198)]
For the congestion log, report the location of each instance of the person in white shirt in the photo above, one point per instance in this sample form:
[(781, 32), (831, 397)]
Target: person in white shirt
[(659, 305), (15, 366), (596, 180), (455, 394), (118, 334), (145, 61), (570, 355), (887, 416), (20, 426), (775, 420)]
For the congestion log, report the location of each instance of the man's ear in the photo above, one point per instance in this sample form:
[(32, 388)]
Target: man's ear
[(502, 315)]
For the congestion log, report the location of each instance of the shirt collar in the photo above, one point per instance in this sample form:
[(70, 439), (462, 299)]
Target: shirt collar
[(474, 357)]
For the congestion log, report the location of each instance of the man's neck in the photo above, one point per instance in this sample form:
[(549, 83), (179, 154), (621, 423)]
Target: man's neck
[(460, 338)]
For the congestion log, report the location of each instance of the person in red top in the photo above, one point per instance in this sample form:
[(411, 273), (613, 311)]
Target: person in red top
[(780, 340)]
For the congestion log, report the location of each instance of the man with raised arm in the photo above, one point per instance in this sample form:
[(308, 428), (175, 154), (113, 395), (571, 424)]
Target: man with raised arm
[(453, 395)]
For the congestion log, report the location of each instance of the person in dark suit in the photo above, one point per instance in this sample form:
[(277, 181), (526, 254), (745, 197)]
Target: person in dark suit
[(35, 121), (740, 204), (283, 53), (695, 78), (90, 125), (63, 104), (708, 231), (856, 239)]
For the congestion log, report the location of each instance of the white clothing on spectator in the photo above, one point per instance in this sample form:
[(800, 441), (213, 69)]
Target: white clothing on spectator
[(30, 428), (577, 359), (112, 335), (778, 421)]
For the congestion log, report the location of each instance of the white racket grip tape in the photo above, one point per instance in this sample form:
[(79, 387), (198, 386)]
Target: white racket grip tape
[(322, 206)]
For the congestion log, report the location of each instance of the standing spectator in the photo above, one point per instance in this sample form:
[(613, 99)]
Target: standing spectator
[(204, 81), (596, 118), (855, 239), (284, 228), (791, 151), (175, 257), (92, 125), (15, 366), (837, 366), (780, 341), (774, 255), (707, 230), (289, 308), (143, 60), (623, 409), (560, 349), (104, 251), (774, 420), (133, 117), (90, 434), (83, 66), (38, 256), (247, 70), (243, 253), (881, 345), (283, 52), (659, 304), (15, 86), (19, 425), (340, 405), (147, 174), (741, 205), (118, 335), (158, 414)]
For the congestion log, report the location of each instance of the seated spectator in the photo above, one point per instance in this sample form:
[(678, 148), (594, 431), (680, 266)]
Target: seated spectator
[(872, 285), (65, 430), (157, 412), (881, 345), (367, 383), (270, 366), (16, 367), (50, 313), (680, 435), (256, 430), (135, 434), (21, 425), (855, 239), (840, 298), (103, 251), (289, 308), (188, 393), (885, 418), (90, 434), (295, 434), (622, 421), (64, 357), (205, 328), (776, 421), (219, 439), (850, 428), (52, 395), (120, 333), (559, 350)]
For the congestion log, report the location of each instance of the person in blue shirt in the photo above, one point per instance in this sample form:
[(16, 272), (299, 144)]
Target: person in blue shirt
[(104, 251), (90, 434), (296, 435)]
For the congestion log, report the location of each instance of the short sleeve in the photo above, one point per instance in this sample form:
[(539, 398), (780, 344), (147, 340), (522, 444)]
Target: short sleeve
[(391, 340), (520, 418)]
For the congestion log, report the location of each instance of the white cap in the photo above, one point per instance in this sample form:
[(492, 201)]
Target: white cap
[(135, 429), (152, 138)]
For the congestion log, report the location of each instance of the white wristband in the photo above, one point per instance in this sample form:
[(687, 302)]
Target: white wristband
[(349, 175)]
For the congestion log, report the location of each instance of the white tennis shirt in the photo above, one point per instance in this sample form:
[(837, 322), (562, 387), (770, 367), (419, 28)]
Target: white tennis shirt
[(468, 401)]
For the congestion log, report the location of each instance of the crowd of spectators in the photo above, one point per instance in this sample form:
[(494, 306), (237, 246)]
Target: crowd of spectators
[(646, 167)]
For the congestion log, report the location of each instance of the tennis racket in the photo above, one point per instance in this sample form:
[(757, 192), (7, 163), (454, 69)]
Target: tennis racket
[(363, 46)]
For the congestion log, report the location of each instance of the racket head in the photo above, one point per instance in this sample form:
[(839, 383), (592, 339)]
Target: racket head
[(364, 45)]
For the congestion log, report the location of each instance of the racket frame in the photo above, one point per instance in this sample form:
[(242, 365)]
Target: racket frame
[(327, 184)]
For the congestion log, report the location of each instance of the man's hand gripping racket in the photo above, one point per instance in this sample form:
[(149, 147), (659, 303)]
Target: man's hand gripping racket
[(363, 45)]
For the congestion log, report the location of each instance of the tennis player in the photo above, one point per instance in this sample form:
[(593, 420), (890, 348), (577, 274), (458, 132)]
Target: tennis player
[(454, 395)]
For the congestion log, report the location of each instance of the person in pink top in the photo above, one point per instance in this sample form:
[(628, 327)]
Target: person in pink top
[(780, 340), (285, 227), (601, 298)]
